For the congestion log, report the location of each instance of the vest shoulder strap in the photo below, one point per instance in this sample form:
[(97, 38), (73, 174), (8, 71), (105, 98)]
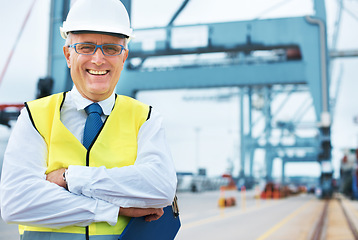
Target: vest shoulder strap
[(42, 111)]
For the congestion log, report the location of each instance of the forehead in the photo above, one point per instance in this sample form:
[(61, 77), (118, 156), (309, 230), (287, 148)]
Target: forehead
[(96, 38)]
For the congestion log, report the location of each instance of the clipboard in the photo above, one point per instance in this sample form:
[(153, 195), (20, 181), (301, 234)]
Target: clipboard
[(165, 228)]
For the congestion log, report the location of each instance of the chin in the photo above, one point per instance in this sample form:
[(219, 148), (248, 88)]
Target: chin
[(99, 88), (100, 95)]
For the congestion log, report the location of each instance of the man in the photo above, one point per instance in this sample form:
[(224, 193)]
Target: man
[(63, 180)]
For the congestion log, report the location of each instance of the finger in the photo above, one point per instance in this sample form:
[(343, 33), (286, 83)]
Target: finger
[(152, 217), (161, 211)]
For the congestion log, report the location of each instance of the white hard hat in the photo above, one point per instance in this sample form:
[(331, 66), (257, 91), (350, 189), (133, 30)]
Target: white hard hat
[(105, 16)]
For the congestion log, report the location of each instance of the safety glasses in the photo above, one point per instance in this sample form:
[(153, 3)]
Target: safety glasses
[(91, 48)]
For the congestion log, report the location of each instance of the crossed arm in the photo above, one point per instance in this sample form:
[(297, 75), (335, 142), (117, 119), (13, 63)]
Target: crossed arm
[(151, 214), (29, 197)]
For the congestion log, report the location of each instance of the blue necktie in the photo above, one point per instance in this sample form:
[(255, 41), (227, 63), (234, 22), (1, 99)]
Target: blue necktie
[(93, 123)]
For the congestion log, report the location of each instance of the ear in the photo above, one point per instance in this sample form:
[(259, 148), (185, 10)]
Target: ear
[(67, 54), (125, 55)]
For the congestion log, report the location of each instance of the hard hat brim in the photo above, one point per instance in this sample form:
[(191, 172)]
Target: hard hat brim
[(101, 32)]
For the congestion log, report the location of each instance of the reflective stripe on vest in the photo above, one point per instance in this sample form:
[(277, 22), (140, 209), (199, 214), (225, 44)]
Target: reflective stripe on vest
[(115, 146), (32, 235)]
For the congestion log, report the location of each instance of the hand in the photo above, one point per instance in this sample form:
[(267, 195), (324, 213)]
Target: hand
[(57, 177), (151, 214)]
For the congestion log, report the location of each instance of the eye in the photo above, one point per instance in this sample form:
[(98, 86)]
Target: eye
[(85, 48), (111, 49)]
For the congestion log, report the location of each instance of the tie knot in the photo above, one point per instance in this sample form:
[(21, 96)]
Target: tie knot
[(94, 108)]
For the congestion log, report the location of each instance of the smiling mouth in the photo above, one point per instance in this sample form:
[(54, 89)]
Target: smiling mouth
[(94, 72)]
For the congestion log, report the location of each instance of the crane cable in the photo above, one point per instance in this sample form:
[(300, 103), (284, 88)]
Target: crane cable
[(16, 41), (353, 15), (270, 9)]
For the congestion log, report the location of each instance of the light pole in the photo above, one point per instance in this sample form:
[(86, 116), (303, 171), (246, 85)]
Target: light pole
[(197, 131)]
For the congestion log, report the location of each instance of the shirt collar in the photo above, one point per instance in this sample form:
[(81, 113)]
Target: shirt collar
[(81, 102)]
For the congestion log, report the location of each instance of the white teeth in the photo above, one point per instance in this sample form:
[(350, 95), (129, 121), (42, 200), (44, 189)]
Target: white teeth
[(94, 72)]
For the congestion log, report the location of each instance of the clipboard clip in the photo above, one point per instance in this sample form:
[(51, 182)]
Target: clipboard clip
[(175, 207)]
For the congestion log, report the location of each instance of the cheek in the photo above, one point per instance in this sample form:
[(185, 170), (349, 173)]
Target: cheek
[(71, 61), (72, 58), (119, 67)]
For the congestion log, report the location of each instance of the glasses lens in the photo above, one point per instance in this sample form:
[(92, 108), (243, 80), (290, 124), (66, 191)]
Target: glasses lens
[(111, 49), (85, 48)]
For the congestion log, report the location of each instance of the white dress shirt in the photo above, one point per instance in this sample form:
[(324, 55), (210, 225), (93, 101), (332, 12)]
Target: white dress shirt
[(95, 194)]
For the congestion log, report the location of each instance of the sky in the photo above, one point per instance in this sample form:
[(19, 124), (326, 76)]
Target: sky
[(192, 137)]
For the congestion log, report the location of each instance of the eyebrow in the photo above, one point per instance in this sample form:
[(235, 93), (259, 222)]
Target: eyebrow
[(102, 43)]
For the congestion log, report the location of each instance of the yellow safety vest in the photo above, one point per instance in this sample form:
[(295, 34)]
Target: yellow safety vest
[(115, 146)]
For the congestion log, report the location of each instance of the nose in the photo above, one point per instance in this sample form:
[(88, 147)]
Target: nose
[(98, 57)]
